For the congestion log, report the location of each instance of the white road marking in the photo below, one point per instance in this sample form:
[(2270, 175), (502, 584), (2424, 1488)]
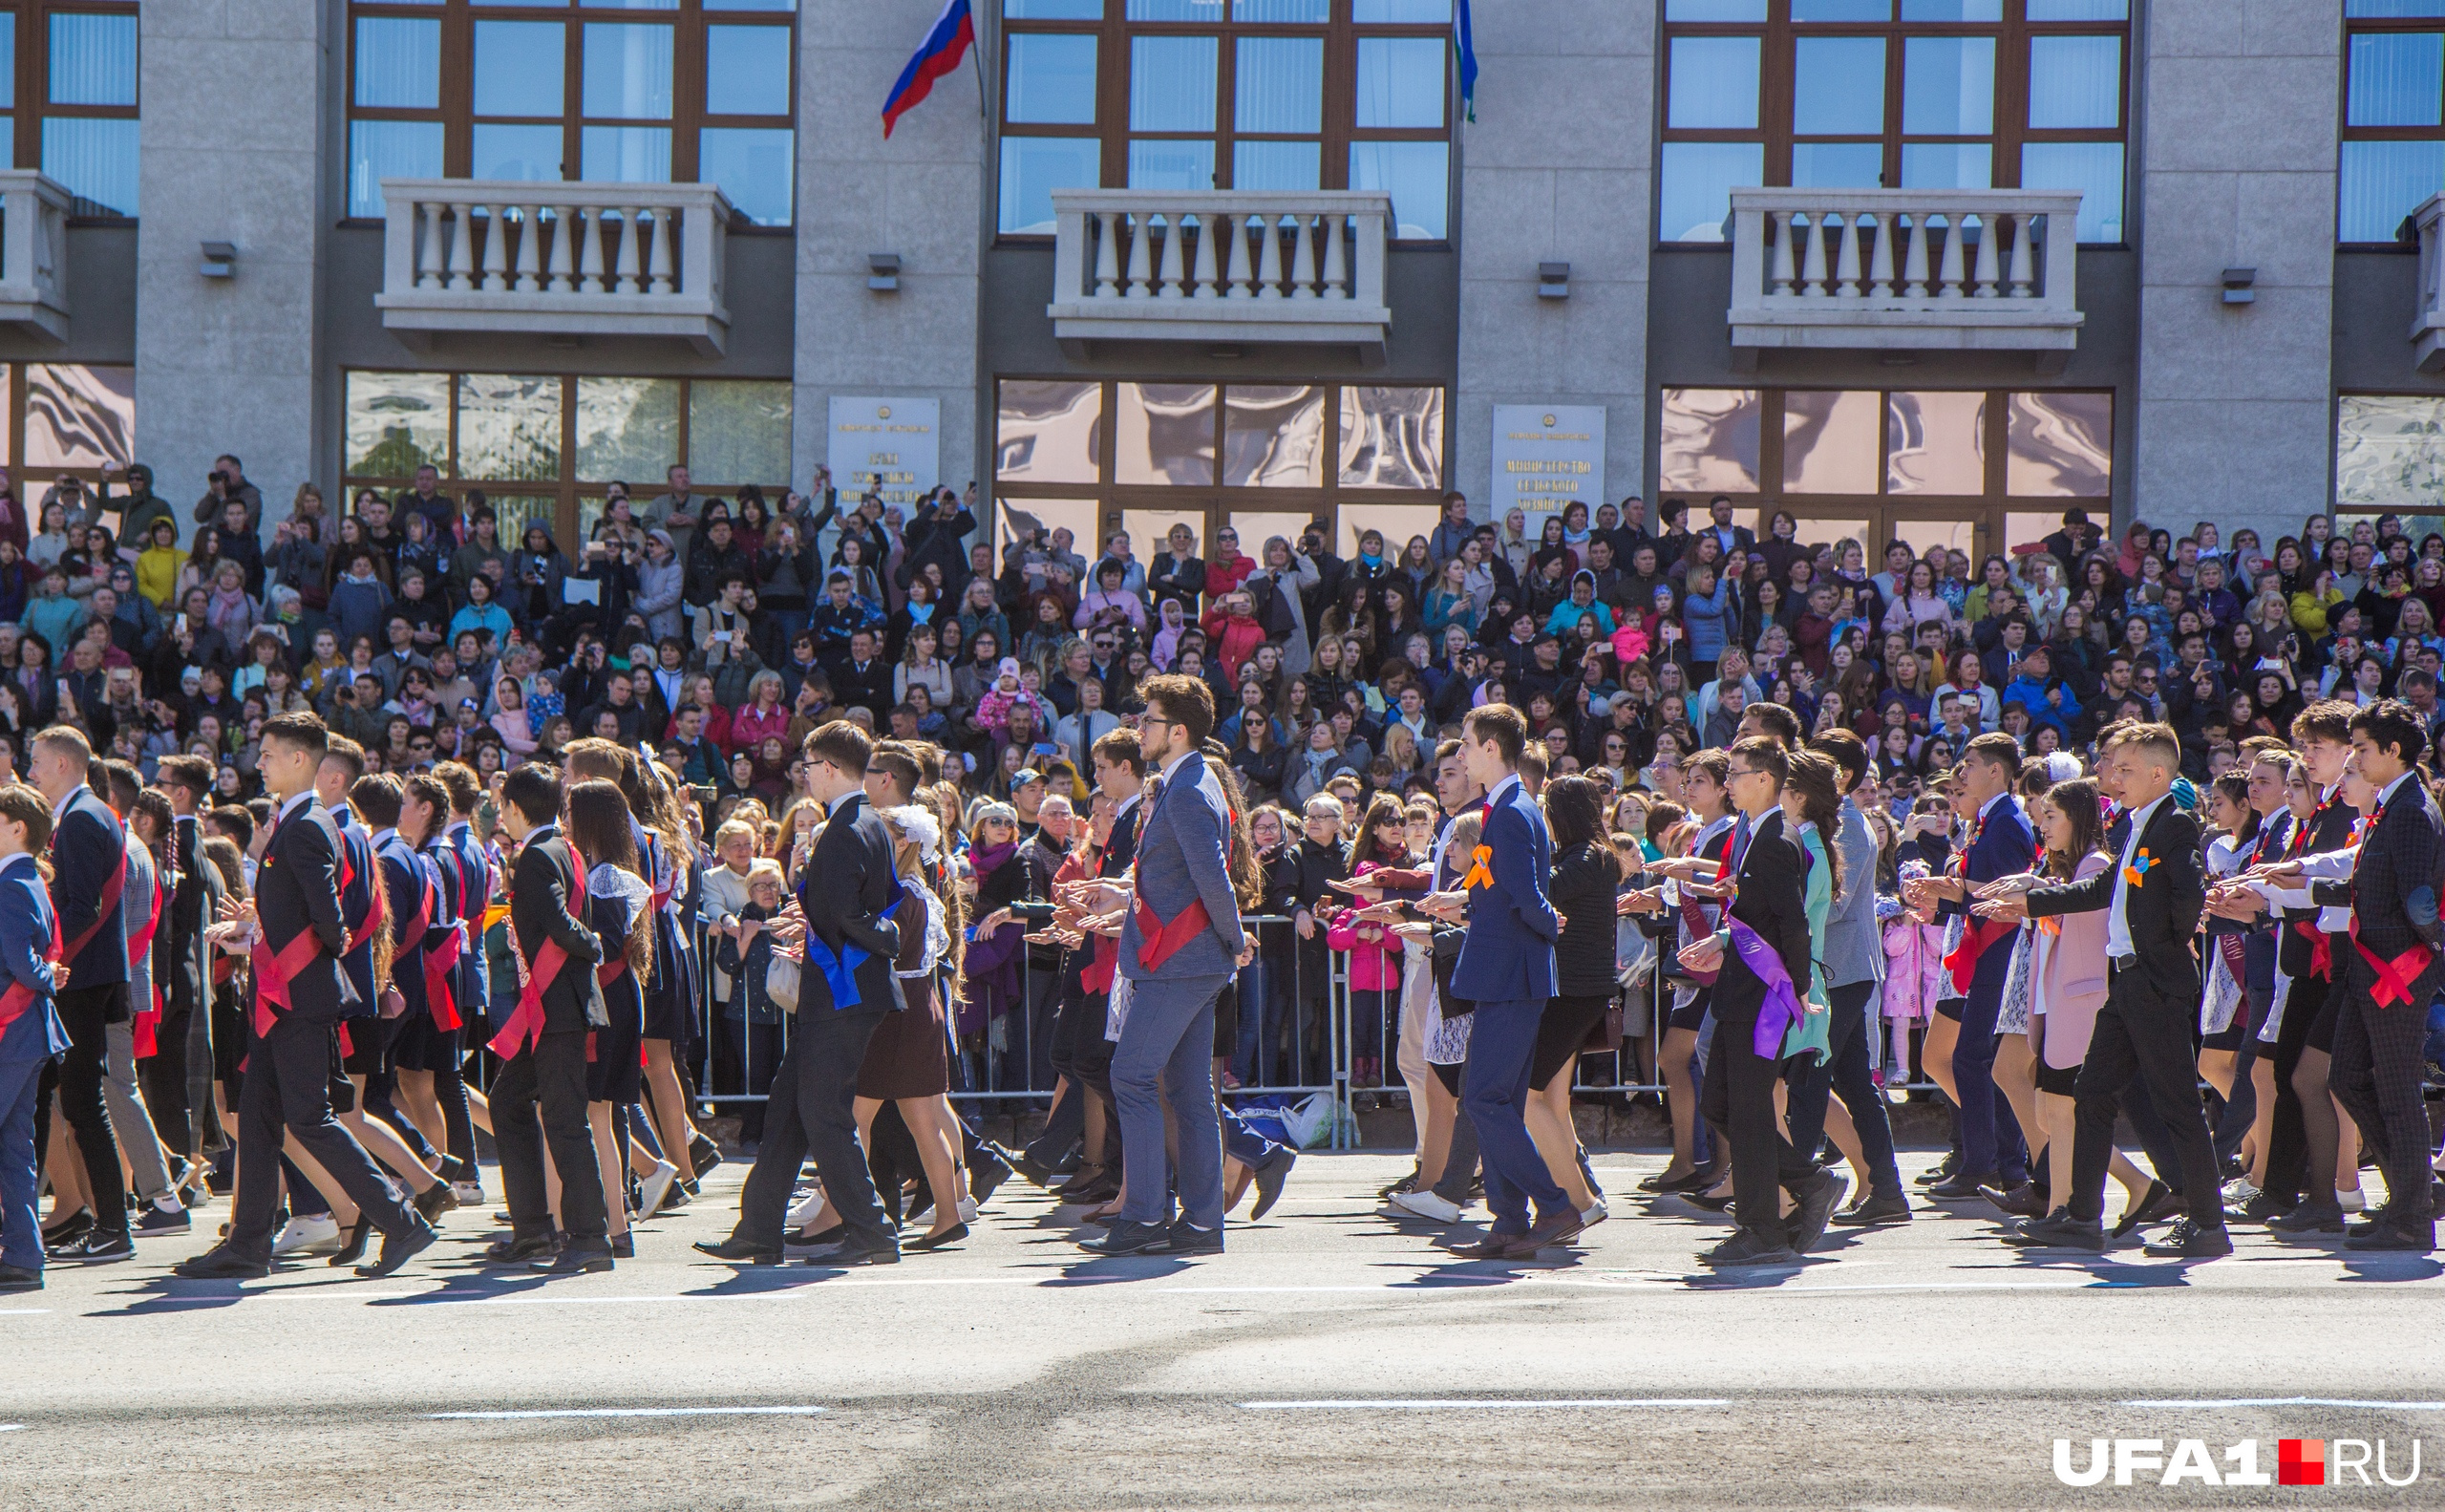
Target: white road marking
[(636, 1411), (22, 1313), (2221, 1402), (1465, 1403)]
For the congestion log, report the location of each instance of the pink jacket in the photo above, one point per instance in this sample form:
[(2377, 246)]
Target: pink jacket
[(2068, 984), (1374, 953), (1914, 968)]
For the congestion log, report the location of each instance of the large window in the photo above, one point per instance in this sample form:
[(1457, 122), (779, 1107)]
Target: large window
[(1248, 94), (627, 91), (2393, 115), (543, 447), (1893, 94), (67, 87), (1091, 455), (1973, 469)]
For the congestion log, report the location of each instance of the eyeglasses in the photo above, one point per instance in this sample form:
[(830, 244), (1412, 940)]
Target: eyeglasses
[(1734, 773)]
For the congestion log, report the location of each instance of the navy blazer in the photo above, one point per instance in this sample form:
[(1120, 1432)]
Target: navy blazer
[(360, 895), (404, 875), (25, 938), (1509, 953), (1185, 858), (470, 874), (87, 846), (2005, 846)]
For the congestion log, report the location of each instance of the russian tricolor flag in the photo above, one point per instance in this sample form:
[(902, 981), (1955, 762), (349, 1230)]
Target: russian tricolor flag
[(953, 32)]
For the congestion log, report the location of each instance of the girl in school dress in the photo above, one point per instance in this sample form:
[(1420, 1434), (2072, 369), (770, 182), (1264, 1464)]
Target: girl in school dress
[(617, 901)]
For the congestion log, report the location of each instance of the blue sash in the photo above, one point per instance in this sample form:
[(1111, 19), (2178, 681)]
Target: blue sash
[(840, 970)]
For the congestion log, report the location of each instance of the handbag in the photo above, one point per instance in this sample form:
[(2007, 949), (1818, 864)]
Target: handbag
[(781, 983)]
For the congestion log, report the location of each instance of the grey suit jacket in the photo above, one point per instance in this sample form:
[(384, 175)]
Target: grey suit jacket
[(1854, 948), (1184, 857)]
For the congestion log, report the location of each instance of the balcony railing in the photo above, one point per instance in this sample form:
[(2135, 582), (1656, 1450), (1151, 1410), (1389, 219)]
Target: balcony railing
[(1225, 266), (33, 253), (555, 259), (1921, 269), (2428, 321)]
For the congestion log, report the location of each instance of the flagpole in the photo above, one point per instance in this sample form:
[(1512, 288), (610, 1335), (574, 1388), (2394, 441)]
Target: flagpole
[(975, 55)]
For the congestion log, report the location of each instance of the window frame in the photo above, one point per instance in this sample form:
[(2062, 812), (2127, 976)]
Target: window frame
[(1337, 127), (2346, 132), (1219, 502), (32, 81), (1776, 90), (454, 109), (570, 495)]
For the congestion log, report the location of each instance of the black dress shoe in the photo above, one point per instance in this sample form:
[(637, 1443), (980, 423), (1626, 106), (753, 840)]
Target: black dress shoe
[(17, 1278), (2384, 1237), (1960, 1188), (517, 1251), (97, 1248), (2060, 1230), (846, 1255), (947, 1237), (1127, 1238), (703, 1155), (1748, 1247), (1407, 1183), (68, 1230), (576, 1259), (1712, 1205), (624, 1247), (2189, 1238), (1185, 1238), (1874, 1210), (1815, 1197), (1554, 1228), (2265, 1208), (2021, 1202), (988, 1168), (2310, 1218), (221, 1263), (434, 1200), (1085, 1179), (820, 1238), (738, 1249), (398, 1249), (1493, 1247), (1269, 1178), (2155, 1202), (353, 1251), (1034, 1170), (1943, 1172)]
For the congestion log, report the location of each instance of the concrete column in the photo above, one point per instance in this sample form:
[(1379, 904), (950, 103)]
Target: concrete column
[(1557, 168), (2237, 140), (917, 195), (232, 151)]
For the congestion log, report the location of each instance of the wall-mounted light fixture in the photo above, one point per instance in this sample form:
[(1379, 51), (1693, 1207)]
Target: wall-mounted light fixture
[(1553, 281), (2238, 282), (220, 260), (883, 273)]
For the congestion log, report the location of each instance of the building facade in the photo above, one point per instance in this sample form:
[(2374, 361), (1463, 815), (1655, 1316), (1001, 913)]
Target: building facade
[(1933, 268)]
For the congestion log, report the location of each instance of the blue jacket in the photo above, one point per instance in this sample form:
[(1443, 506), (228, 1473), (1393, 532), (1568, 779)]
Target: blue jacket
[(404, 875), (1183, 858), (466, 886), (1509, 952), (358, 898), (25, 938), (1704, 618), (87, 847)]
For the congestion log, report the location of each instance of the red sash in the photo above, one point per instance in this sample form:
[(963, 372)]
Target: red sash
[(148, 1018), (112, 891), (1159, 941), (1963, 963), (437, 961), (525, 1024), (19, 997), (275, 969), (2321, 947)]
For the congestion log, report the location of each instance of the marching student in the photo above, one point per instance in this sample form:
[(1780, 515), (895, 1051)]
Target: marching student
[(850, 945), (539, 1097), (426, 1056), (88, 877), (178, 1080), (2153, 896), (617, 903), (1760, 958), (471, 876), (299, 998), (31, 1036)]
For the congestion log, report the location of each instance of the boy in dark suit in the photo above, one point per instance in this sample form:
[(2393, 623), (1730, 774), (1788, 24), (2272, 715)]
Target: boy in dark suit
[(2153, 895), (31, 1036), (299, 997), (543, 1048)]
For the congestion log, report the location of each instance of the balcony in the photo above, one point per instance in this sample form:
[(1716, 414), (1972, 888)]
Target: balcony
[(33, 254), (1905, 269), (2427, 325), (555, 259), (1221, 268)]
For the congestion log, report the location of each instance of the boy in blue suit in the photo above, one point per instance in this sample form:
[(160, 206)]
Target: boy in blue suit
[(1506, 968), (30, 1032)]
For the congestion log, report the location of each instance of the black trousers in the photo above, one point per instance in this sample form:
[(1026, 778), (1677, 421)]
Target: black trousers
[(813, 1111), (2378, 1074), (287, 1091), (163, 1077), (2139, 1033), (76, 1079), (1739, 1101), (538, 1101), (1845, 1074), (2287, 1139)]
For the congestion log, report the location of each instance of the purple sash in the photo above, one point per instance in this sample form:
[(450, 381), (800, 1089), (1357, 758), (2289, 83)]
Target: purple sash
[(1781, 1009)]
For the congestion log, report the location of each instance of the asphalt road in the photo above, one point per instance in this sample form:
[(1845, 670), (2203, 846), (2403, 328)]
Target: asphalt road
[(1925, 1367)]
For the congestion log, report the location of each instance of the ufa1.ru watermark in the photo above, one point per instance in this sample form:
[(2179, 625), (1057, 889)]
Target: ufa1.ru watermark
[(2298, 1463)]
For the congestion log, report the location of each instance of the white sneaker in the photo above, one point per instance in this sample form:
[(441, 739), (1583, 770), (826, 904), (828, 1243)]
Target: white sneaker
[(1425, 1204), (470, 1194), (655, 1189), (2353, 1201), (308, 1234), (2238, 1190), (1595, 1214), (967, 1209), (804, 1212)]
